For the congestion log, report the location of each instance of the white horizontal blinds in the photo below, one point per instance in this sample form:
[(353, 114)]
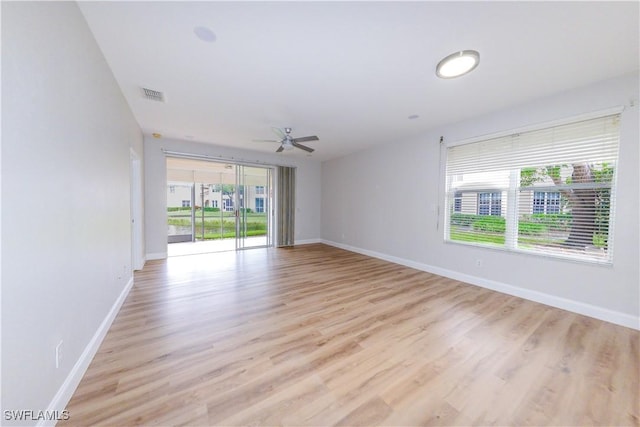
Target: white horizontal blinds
[(584, 141), (573, 223), (548, 191)]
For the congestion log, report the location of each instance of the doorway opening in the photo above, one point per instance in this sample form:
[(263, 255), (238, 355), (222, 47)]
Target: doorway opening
[(136, 209), (217, 206)]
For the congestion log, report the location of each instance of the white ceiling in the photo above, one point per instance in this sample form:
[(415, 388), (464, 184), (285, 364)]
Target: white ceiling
[(350, 72)]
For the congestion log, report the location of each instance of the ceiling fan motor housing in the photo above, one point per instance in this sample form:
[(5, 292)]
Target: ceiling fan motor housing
[(288, 142)]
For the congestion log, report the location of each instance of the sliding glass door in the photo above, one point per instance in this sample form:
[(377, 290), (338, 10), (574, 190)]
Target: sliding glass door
[(180, 213), (217, 206), (253, 198)]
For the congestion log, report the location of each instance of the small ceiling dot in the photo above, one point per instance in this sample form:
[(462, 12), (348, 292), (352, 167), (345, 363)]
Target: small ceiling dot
[(205, 34), (413, 117)]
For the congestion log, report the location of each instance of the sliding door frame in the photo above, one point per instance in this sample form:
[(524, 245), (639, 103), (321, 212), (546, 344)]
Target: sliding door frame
[(241, 204), (269, 195)]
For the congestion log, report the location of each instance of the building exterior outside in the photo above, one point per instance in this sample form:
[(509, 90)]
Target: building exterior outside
[(180, 195)]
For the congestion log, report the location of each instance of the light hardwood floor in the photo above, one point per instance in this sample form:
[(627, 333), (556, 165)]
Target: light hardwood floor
[(315, 336)]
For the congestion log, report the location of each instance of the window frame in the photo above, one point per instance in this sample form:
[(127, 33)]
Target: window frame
[(227, 204), (451, 194), (259, 209), (546, 202), (494, 203)]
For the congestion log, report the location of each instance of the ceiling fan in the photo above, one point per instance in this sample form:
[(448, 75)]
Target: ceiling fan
[(287, 142)]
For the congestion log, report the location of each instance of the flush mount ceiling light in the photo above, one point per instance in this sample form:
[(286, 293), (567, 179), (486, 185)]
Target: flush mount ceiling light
[(458, 64)]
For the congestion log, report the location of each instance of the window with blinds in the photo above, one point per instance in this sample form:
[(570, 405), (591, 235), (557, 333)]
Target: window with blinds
[(548, 191)]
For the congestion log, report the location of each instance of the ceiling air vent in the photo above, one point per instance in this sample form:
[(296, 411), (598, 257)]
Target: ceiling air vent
[(153, 95)]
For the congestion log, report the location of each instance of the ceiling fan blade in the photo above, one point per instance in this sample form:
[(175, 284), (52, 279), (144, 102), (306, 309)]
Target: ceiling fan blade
[(278, 132), (306, 138), (280, 149), (303, 147), (265, 140)]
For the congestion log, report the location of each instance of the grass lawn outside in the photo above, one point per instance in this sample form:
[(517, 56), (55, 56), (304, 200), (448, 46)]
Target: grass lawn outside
[(475, 237), (218, 225)]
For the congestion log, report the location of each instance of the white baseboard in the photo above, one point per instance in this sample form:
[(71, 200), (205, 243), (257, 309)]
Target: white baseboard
[(141, 267), (156, 255), (307, 242), (65, 392), (143, 261), (596, 312)]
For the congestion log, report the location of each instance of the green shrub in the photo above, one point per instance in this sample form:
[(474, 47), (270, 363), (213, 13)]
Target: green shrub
[(463, 220), (560, 222), (600, 240), (531, 228), (490, 223), (497, 224)]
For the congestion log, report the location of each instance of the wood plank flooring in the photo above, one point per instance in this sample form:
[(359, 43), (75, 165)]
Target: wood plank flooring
[(318, 336)]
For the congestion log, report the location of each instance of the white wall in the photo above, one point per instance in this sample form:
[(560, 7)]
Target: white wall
[(308, 182), (66, 239), (410, 233)]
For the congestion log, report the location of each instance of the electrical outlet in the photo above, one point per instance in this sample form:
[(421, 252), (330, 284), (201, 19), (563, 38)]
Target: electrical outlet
[(59, 354)]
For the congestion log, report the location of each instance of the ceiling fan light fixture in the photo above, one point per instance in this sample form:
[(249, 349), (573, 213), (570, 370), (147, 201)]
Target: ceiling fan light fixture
[(458, 64), (287, 142)]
